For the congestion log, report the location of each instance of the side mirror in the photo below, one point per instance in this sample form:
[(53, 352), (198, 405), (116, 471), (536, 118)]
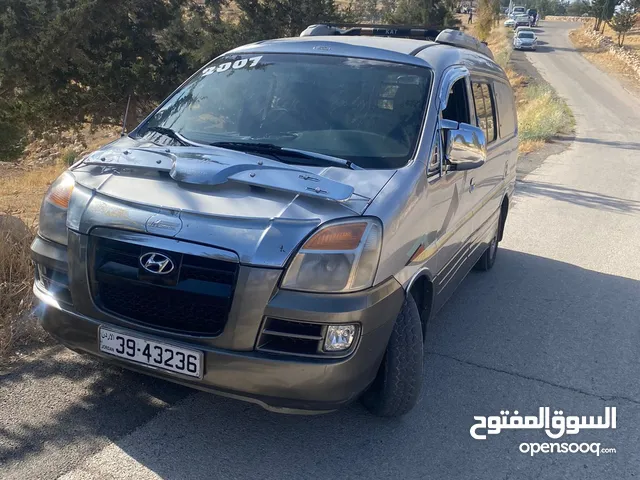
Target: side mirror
[(465, 145)]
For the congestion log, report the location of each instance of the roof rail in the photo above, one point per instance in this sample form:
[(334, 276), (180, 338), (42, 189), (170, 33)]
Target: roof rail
[(448, 36), (376, 30)]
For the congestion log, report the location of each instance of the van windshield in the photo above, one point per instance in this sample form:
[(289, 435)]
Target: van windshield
[(366, 111)]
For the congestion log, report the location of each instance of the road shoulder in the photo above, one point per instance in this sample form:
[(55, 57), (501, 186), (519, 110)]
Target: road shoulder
[(528, 162)]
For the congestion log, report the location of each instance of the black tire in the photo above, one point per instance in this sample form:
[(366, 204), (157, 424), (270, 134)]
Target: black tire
[(488, 258), (397, 387)]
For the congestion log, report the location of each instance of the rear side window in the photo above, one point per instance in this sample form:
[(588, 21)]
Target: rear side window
[(485, 109), (507, 120)]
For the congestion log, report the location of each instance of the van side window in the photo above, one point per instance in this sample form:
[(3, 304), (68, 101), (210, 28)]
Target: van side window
[(457, 104), (485, 109), (507, 120)]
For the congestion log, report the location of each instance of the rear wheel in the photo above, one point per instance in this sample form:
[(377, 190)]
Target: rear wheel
[(397, 387), (488, 258)]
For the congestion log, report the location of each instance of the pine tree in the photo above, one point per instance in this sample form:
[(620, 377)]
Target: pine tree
[(70, 61), (429, 13), (603, 11), (265, 19)]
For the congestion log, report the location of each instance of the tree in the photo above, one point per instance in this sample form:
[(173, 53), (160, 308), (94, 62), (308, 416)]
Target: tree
[(623, 21), (495, 5), (12, 131), (484, 22), (264, 19), (429, 13), (70, 61), (578, 8), (366, 11), (603, 11), (633, 5)]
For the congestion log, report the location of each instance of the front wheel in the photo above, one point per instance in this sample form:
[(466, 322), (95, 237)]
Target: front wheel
[(397, 386)]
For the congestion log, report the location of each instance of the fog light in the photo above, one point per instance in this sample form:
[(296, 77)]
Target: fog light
[(339, 337)]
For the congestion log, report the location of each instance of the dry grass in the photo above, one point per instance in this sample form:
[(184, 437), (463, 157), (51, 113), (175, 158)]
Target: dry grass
[(632, 39), (500, 43), (20, 197), (21, 192), (602, 57), (16, 276), (542, 115), (529, 146)]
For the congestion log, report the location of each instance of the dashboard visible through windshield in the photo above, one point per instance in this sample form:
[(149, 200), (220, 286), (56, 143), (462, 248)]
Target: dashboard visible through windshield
[(368, 112)]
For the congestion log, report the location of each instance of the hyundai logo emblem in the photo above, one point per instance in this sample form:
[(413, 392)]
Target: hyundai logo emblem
[(157, 263)]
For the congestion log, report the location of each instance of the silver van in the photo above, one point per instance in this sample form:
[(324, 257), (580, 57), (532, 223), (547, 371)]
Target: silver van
[(284, 225)]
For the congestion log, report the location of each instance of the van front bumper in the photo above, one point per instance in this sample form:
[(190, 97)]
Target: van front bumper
[(232, 365)]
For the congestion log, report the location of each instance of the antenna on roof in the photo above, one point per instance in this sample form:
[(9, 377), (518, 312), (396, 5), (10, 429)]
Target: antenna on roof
[(124, 120)]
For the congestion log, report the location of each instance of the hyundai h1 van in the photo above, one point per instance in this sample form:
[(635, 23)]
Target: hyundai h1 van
[(284, 225)]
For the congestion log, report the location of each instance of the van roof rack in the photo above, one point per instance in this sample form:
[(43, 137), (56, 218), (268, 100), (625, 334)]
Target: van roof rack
[(447, 36), (371, 29)]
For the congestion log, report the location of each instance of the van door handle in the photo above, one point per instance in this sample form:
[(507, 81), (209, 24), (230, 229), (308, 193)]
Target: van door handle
[(472, 186)]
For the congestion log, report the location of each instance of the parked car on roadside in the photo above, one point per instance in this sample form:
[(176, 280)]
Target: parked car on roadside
[(525, 39), (521, 21), (524, 29), (509, 22), (282, 228), (519, 10)]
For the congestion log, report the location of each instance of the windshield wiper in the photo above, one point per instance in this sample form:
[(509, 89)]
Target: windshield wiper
[(171, 134), (277, 151)]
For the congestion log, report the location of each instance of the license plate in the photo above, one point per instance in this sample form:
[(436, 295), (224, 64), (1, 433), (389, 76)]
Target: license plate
[(153, 354)]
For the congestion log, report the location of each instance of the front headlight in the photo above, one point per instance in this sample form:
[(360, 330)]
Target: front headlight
[(53, 212), (340, 257)]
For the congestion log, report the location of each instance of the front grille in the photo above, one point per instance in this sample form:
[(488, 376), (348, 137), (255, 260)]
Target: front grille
[(54, 281), (290, 337), (194, 299)]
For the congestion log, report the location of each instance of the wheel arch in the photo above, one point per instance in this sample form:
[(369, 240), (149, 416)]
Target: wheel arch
[(421, 288), (504, 211)]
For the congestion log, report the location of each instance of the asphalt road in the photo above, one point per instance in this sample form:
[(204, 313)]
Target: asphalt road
[(555, 323)]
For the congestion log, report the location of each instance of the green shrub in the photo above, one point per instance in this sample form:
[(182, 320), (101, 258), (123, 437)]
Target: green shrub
[(69, 157), (543, 115), (12, 137)]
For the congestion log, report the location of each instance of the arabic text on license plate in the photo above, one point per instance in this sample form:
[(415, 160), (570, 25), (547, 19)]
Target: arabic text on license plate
[(147, 352)]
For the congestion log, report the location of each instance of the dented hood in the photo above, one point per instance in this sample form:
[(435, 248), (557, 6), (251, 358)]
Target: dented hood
[(219, 197), (136, 174)]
